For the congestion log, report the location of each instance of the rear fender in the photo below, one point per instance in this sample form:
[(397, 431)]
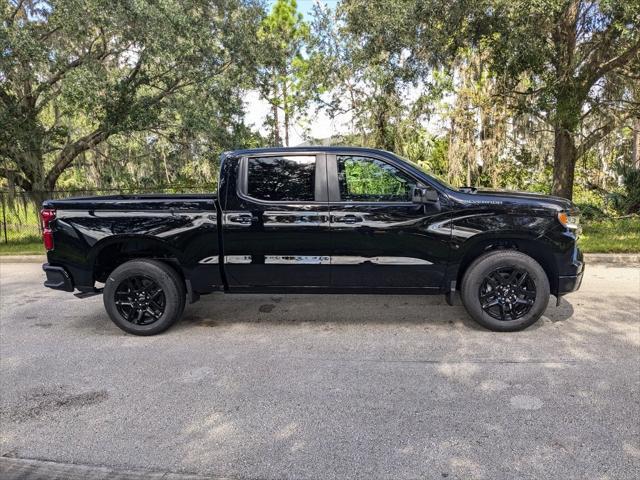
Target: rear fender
[(110, 252)]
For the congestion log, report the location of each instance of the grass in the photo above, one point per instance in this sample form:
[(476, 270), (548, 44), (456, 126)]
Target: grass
[(22, 230), (611, 236), (598, 236), (29, 247)]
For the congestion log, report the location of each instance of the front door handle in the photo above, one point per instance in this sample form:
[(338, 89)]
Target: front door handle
[(243, 219), (350, 219)]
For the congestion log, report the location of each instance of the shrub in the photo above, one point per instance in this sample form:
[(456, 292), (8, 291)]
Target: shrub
[(632, 187), (590, 211)]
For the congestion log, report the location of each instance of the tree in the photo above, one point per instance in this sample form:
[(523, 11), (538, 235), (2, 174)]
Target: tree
[(282, 35), (581, 62), (75, 73), (368, 89), (577, 58)]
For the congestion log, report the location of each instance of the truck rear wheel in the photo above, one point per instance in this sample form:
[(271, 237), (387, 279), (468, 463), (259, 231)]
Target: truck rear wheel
[(505, 290), (144, 297)]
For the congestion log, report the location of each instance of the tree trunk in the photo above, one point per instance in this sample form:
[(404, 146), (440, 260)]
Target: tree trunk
[(564, 162), (276, 121), (70, 152), (635, 155), (384, 138), (285, 103), (276, 127)]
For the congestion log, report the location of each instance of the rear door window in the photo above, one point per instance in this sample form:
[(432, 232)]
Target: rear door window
[(282, 179)]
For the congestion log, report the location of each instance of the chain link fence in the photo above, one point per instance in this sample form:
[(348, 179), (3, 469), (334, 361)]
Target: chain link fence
[(20, 210)]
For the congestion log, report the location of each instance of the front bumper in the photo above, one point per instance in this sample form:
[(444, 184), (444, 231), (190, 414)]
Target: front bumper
[(57, 278), (571, 283)]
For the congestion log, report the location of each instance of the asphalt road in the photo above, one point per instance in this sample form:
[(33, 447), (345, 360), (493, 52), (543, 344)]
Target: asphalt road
[(323, 387)]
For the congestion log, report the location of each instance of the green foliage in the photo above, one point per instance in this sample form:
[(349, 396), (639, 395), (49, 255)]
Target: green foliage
[(632, 187), (589, 211), (21, 221), (368, 179), (569, 64), (428, 152), (77, 73)]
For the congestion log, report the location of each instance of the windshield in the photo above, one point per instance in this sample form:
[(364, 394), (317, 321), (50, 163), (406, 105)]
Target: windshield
[(431, 175)]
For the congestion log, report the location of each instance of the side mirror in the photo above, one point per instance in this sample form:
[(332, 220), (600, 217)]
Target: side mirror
[(425, 195)]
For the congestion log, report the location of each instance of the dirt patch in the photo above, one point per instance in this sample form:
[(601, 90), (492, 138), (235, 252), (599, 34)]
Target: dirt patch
[(208, 323), (45, 400)]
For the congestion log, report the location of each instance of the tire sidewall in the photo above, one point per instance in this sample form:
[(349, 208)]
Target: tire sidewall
[(173, 302), (485, 265)]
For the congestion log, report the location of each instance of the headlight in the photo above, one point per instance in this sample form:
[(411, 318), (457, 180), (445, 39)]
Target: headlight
[(570, 221)]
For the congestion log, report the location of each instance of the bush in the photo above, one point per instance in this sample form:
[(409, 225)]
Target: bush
[(632, 187), (596, 203), (590, 211)]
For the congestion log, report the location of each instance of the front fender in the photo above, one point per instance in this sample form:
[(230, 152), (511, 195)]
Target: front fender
[(473, 233)]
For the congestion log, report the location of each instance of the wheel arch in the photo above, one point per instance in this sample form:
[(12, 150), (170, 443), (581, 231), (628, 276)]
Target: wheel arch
[(112, 252), (534, 247)]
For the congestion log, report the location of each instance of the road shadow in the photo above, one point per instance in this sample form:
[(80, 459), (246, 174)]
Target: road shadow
[(219, 310)]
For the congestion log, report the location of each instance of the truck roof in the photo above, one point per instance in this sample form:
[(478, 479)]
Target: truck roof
[(307, 148)]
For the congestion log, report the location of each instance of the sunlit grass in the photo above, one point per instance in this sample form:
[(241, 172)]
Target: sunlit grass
[(22, 248), (611, 236)]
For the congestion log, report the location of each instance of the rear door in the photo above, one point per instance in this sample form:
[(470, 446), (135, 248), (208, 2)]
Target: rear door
[(381, 238), (276, 222)]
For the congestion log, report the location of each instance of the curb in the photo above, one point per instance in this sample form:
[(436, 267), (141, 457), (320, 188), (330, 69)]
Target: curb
[(21, 469), (622, 259)]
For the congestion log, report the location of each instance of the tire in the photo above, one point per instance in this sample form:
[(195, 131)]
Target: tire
[(144, 297), (521, 299)]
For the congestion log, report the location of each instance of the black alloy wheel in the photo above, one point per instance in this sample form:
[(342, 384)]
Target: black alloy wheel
[(140, 300), (505, 290), (507, 293), (144, 296)]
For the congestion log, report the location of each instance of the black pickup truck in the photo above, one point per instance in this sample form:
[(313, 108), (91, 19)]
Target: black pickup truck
[(321, 220)]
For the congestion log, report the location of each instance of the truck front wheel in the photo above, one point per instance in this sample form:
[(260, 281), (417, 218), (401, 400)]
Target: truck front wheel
[(144, 297), (505, 290)]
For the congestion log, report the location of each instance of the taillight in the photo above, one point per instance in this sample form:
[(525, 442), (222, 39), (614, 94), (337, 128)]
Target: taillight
[(47, 215)]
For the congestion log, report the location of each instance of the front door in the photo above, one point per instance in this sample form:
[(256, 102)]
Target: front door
[(381, 238), (276, 223)]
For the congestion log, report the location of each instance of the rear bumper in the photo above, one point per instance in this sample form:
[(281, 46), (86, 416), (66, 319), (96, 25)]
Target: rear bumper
[(57, 278), (571, 283)]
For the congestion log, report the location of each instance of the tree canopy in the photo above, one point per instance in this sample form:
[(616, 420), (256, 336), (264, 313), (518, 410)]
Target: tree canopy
[(75, 73), (571, 63)]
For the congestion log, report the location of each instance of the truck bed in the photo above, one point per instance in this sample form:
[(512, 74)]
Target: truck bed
[(153, 201)]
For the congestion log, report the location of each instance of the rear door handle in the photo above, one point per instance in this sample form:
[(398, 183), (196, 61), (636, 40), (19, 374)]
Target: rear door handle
[(243, 219), (349, 219)]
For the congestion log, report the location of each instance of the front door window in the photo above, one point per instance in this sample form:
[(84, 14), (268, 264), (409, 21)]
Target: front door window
[(363, 179)]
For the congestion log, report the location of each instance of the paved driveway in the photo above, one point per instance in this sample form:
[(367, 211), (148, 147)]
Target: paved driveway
[(321, 387)]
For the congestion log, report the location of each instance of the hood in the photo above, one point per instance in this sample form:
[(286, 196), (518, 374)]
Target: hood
[(506, 197)]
